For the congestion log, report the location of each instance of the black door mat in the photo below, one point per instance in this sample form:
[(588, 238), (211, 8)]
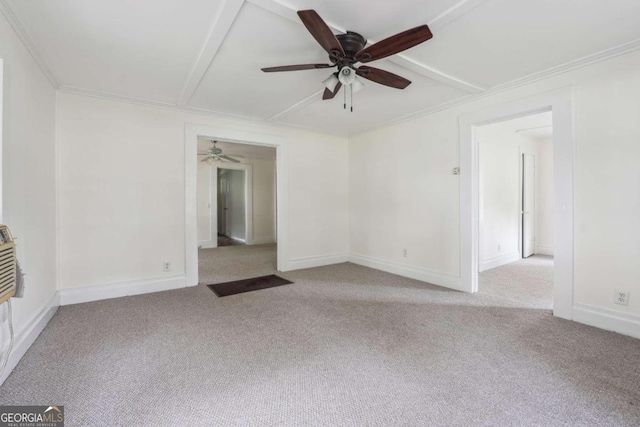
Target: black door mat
[(247, 285)]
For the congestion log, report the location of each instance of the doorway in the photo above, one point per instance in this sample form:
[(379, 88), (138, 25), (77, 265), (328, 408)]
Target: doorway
[(237, 210), (194, 132), (560, 102), (516, 214)]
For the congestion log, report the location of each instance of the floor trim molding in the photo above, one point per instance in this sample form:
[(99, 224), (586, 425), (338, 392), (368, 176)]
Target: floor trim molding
[(544, 250), (120, 289), (29, 334), (610, 320), (417, 273), (499, 260), (317, 261)]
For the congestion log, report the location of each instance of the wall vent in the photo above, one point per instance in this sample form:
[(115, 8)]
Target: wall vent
[(7, 264)]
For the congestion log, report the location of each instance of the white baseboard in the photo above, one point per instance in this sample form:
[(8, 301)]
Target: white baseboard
[(207, 245), (120, 289), (316, 261), (498, 260), (262, 240), (544, 250), (417, 273), (604, 318), (26, 338)]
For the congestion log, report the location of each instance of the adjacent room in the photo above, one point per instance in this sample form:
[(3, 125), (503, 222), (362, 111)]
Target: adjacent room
[(319, 213), (515, 214), (237, 212)]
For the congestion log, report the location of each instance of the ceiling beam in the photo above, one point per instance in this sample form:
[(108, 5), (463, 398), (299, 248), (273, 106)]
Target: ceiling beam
[(298, 106), (454, 12), (439, 22), (227, 14)]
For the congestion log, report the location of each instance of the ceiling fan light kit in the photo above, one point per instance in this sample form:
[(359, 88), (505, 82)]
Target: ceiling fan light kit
[(347, 50), (331, 82)]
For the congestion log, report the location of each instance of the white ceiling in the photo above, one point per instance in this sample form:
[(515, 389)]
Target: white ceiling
[(207, 54), (246, 150)]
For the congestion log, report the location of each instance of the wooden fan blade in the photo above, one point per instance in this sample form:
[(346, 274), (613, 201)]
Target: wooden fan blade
[(321, 32), (205, 159), (296, 67), (383, 77), (330, 95), (395, 44)]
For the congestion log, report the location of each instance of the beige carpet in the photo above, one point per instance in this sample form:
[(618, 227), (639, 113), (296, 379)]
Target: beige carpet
[(344, 345), (526, 283)]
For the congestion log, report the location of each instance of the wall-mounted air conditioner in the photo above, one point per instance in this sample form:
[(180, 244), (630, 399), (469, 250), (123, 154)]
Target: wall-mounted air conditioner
[(7, 264)]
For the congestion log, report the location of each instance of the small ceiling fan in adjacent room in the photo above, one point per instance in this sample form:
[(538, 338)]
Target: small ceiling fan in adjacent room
[(347, 52), (215, 154)]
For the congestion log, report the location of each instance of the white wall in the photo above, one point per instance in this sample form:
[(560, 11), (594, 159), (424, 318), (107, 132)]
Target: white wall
[(544, 196), (28, 181), (264, 201), (236, 227), (499, 196), (204, 204), (407, 196), (122, 185)]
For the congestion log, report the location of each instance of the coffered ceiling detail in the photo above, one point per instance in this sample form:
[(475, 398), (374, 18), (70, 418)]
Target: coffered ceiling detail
[(206, 55)]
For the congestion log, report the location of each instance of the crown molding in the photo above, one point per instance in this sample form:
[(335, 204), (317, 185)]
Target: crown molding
[(190, 110), (22, 34), (591, 59)]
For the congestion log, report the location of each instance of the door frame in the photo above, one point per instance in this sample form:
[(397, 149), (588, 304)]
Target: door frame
[(240, 136), (248, 200), (560, 102)]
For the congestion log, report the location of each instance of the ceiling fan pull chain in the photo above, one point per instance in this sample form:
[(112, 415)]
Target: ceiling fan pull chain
[(345, 97), (351, 87)]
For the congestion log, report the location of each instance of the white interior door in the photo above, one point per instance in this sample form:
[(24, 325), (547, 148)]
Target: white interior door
[(528, 204)]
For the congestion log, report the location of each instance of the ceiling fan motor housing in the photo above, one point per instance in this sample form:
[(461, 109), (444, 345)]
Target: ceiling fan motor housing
[(352, 43)]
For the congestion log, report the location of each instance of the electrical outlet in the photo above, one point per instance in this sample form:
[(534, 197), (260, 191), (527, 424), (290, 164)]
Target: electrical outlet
[(404, 253), (621, 297), (166, 266)]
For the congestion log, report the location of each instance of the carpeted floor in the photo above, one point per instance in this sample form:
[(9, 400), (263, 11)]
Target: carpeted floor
[(343, 345), (527, 282)]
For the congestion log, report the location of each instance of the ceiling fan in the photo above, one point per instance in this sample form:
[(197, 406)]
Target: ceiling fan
[(347, 52), (215, 154)]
